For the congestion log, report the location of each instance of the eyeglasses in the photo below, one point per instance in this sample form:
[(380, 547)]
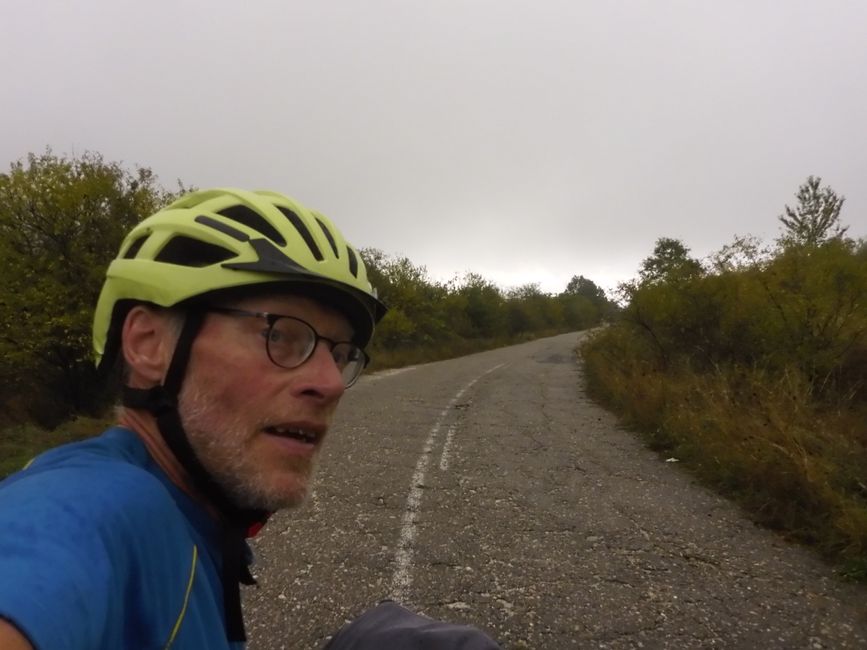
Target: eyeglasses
[(290, 341)]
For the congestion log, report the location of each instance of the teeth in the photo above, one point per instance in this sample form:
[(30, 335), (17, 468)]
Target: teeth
[(307, 436)]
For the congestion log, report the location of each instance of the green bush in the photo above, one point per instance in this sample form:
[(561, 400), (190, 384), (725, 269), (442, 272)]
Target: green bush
[(753, 373), (61, 222)]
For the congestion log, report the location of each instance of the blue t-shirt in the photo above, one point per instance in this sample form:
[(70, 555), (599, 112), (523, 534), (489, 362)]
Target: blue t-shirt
[(100, 550)]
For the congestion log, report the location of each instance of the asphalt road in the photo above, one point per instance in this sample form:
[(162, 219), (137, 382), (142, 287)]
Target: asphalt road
[(490, 490)]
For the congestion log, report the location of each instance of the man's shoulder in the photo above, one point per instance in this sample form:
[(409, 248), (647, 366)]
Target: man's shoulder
[(107, 476), (113, 445), (97, 523)]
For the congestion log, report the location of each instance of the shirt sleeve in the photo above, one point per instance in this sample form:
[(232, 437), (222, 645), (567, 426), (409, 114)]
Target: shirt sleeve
[(55, 578)]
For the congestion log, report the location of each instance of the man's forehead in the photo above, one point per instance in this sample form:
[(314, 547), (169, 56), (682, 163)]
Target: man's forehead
[(286, 303), (287, 298)]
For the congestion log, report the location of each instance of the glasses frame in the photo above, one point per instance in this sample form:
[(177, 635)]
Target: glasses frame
[(273, 319)]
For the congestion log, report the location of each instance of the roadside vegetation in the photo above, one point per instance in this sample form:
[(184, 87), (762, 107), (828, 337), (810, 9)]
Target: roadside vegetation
[(61, 222), (432, 320), (751, 368)]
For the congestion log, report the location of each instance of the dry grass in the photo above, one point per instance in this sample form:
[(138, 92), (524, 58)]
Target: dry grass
[(796, 464)]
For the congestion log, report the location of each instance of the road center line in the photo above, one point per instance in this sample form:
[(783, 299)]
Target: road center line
[(402, 577), (444, 459), (447, 446)]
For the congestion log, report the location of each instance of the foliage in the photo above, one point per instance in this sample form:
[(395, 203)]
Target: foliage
[(428, 319), (743, 253), (670, 261), (581, 286), (61, 222), (482, 303), (753, 372), (816, 218)]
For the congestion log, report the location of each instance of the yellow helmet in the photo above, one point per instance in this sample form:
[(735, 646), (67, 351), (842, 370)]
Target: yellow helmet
[(216, 240)]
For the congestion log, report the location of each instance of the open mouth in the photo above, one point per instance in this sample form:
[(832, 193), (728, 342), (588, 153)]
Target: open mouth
[(308, 437)]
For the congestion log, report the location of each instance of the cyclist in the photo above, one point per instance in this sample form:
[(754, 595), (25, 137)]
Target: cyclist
[(237, 320)]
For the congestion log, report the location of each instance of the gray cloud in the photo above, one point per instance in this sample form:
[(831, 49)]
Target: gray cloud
[(525, 141)]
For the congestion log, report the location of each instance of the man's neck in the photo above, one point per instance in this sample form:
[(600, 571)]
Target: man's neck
[(144, 425)]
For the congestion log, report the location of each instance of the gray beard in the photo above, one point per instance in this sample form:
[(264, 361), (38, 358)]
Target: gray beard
[(222, 451)]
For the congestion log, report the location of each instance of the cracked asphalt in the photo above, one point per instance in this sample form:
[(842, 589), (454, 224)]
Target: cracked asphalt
[(544, 523)]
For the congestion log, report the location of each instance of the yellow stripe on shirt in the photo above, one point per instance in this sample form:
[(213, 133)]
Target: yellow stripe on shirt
[(186, 599)]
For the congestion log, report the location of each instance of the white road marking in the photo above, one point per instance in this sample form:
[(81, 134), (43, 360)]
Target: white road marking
[(444, 459), (314, 502), (402, 577), (388, 373)]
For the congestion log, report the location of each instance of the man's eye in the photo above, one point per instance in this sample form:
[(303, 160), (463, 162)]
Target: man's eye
[(345, 354), (272, 335)]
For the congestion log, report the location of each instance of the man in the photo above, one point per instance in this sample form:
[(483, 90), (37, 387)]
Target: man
[(239, 319)]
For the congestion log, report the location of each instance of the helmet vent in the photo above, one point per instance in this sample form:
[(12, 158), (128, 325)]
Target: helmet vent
[(134, 248), (252, 219), (302, 230), (329, 237), (353, 262), (186, 251), (222, 227)]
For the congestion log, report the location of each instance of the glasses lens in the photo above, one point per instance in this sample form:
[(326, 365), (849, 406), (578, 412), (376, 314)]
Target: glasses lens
[(290, 342), (350, 359)]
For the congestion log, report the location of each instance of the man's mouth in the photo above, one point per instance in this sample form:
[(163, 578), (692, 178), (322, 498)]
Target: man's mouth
[(304, 435)]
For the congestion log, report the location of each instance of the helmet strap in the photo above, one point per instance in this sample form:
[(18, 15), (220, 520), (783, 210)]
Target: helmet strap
[(162, 403)]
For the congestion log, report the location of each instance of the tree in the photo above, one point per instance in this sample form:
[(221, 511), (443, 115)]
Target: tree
[(815, 219), (581, 286), (746, 251), (484, 306), (579, 312), (61, 222), (414, 317), (670, 260), (524, 309)]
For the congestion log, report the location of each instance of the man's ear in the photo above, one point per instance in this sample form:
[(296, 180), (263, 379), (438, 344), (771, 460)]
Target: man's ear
[(147, 343)]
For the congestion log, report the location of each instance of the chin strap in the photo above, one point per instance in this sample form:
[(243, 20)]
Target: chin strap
[(161, 401)]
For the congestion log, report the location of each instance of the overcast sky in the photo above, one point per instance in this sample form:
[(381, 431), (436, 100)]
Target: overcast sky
[(526, 141)]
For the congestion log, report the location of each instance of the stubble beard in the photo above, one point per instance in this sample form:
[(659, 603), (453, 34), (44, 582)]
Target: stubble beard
[(221, 445)]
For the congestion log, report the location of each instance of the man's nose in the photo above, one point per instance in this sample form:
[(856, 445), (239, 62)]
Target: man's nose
[(322, 376)]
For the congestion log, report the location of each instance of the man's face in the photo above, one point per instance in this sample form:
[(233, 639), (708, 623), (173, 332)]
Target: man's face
[(241, 412)]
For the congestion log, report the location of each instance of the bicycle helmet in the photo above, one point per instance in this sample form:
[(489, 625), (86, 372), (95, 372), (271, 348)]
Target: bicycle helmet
[(216, 240)]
